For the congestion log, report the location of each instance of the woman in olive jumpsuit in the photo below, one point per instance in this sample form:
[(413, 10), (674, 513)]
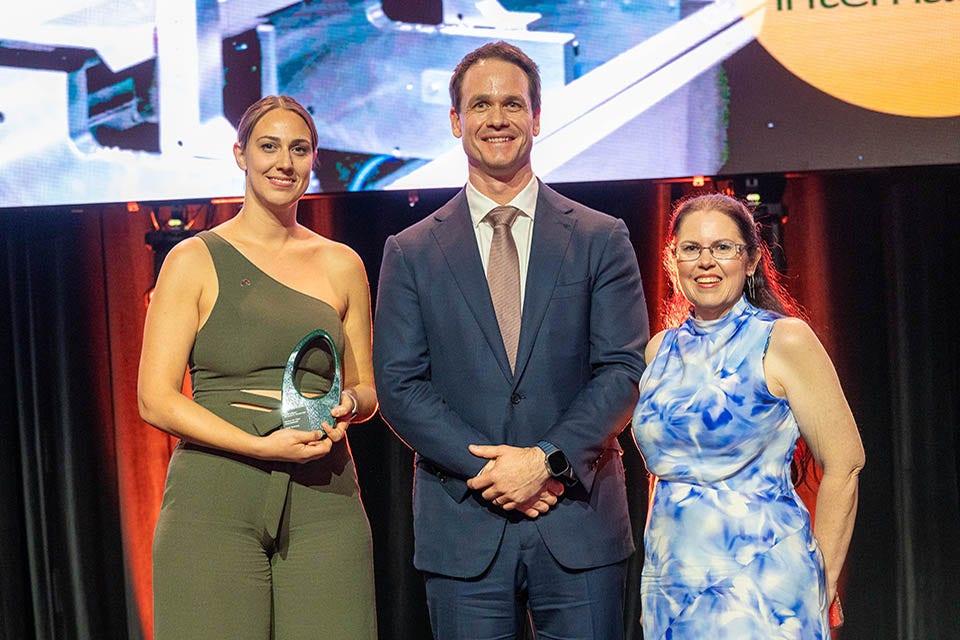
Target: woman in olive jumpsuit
[(262, 534)]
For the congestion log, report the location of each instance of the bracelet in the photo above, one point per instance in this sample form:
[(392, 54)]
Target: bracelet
[(356, 403)]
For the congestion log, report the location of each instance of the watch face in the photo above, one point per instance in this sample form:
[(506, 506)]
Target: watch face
[(557, 463)]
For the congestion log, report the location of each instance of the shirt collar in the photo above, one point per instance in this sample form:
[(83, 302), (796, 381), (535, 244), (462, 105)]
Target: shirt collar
[(480, 205)]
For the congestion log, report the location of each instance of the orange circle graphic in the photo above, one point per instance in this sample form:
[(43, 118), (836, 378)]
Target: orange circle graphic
[(893, 56)]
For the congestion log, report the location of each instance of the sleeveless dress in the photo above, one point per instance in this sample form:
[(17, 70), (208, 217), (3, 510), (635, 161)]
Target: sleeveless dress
[(246, 548), (729, 550)]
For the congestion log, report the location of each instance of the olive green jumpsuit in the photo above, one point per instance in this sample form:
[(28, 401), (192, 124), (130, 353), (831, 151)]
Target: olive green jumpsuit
[(248, 549)]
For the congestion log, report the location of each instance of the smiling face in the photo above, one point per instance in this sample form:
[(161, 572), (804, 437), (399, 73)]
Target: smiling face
[(496, 122), (712, 286), (278, 159)]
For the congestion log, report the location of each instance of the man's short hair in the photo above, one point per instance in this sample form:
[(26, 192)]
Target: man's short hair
[(500, 51)]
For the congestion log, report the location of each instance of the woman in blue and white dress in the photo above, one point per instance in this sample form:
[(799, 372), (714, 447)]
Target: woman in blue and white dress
[(729, 547)]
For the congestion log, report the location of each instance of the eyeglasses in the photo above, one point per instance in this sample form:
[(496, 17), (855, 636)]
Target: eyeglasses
[(720, 250)]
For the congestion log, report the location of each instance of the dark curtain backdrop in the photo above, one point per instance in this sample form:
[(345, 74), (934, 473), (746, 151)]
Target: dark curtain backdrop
[(61, 553), (871, 255)]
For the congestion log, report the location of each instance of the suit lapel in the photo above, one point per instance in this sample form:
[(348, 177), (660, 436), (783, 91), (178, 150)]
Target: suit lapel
[(552, 228), (457, 240)]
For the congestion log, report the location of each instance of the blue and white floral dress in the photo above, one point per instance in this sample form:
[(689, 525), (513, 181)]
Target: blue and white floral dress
[(729, 550)]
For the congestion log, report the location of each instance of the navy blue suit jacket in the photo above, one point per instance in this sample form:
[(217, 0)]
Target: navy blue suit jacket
[(444, 381)]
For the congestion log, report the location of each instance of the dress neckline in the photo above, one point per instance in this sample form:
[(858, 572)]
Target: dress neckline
[(706, 327), (268, 276)]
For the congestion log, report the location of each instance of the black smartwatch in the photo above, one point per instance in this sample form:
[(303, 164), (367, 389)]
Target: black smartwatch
[(557, 464)]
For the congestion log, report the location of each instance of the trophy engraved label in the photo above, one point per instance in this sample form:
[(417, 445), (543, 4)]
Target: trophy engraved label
[(298, 411)]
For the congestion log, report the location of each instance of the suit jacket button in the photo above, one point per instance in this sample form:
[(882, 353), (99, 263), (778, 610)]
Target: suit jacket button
[(515, 398)]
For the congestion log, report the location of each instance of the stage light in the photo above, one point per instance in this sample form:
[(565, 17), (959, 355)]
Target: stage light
[(763, 194), (164, 237), (760, 189), (699, 181)]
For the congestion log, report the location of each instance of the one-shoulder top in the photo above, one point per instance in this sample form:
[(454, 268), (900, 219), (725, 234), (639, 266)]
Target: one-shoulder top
[(254, 325)]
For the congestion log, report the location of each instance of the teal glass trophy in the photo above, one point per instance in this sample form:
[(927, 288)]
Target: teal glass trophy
[(299, 411)]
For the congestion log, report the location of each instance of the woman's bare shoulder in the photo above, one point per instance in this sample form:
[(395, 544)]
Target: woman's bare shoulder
[(653, 346)]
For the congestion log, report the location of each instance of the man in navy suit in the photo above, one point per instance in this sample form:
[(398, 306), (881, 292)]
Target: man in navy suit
[(519, 498)]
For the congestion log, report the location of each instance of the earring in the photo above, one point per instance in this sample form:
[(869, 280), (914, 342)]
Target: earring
[(750, 288)]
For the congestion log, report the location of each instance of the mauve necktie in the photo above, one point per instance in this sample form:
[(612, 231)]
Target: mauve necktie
[(503, 277)]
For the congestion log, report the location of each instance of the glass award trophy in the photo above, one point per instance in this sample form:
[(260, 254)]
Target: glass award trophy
[(299, 411)]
